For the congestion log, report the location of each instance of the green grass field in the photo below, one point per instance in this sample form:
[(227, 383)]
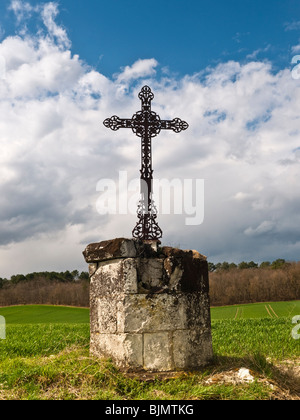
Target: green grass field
[(270, 310), (46, 356), (39, 314)]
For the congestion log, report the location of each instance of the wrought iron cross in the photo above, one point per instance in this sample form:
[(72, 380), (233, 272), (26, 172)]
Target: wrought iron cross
[(146, 124)]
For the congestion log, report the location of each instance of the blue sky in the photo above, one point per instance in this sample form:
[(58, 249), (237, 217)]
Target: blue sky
[(224, 66), (184, 36)]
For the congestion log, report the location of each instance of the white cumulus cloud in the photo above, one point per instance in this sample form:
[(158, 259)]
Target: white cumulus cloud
[(140, 69), (49, 13)]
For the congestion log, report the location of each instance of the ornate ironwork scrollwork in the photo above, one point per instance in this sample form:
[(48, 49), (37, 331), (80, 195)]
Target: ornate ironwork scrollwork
[(147, 226), (114, 123), (146, 96), (146, 124), (178, 125)]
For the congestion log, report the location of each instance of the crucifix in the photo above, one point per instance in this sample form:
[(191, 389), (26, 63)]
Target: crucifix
[(146, 124)]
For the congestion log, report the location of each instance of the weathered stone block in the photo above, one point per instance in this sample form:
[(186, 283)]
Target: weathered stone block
[(192, 348), (149, 305), (107, 315), (161, 312), (125, 349), (158, 351)]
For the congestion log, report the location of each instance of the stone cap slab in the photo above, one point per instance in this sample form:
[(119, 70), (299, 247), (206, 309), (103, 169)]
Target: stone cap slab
[(132, 248), (117, 248), (168, 251)]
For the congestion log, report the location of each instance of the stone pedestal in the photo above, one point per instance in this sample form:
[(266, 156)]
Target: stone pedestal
[(149, 305)]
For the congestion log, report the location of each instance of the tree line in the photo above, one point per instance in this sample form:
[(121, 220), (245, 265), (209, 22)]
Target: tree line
[(65, 288), (279, 263), (63, 277), (249, 283), (230, 283)]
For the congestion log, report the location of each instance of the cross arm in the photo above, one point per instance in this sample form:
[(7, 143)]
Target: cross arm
[(176, 125), (114, 123)]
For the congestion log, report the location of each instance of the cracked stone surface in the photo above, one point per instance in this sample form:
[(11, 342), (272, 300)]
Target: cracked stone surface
[(149, 305)]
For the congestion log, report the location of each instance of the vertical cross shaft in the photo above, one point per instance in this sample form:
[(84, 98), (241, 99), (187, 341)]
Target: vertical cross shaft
[(146, 124)]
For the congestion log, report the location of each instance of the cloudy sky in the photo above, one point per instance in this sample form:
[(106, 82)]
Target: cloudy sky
[(228, 68)]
